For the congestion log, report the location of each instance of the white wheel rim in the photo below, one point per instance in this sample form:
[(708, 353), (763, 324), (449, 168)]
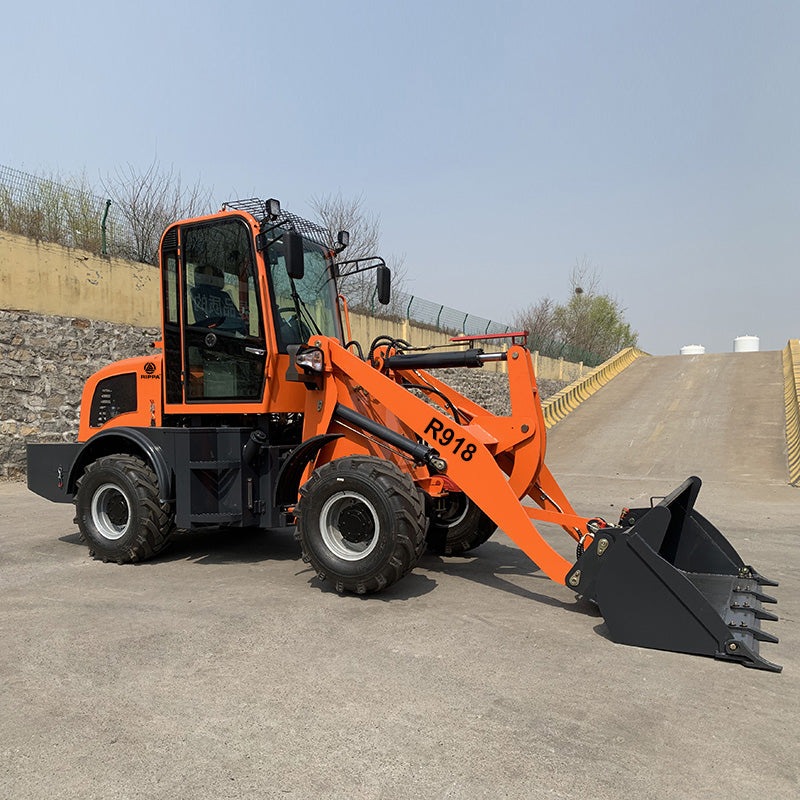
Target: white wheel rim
[(108, 512), (451, 523), (329, 525)]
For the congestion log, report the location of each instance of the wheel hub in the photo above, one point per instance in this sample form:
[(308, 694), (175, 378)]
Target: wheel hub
[(111, 511), (349, 525), (452, 509), (117, 510), (355, 524)]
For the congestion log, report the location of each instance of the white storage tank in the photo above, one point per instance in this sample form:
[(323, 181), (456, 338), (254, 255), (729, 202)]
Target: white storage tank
[(692, 350), (746, 344)]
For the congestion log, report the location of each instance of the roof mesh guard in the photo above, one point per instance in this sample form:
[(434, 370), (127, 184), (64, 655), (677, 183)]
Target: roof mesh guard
[(258, 209)]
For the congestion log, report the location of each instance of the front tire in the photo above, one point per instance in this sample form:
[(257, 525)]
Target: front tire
[(360, 523), (118, 511)]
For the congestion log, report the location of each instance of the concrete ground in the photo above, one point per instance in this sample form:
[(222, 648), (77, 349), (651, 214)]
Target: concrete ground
[(224, 670)]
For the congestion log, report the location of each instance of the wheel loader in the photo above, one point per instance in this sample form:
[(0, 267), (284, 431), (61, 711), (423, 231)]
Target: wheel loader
[(257, 409)]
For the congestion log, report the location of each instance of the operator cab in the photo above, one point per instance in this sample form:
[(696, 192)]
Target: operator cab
[(236, 288), (239, 287)]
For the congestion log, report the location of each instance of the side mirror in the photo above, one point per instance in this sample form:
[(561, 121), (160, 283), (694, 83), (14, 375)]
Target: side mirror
[(384, 276), (293, 255)]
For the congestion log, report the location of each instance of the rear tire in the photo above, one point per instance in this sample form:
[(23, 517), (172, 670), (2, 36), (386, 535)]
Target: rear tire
[(458, 527), (118, 510), (360, 523)]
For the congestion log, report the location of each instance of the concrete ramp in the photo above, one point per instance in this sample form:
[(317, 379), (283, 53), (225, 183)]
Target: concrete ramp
[(717, 416)]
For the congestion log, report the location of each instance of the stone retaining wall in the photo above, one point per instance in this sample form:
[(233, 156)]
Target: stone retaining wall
[(44, 363)]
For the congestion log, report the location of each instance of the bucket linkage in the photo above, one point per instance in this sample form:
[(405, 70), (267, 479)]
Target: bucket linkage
[(666, 578)]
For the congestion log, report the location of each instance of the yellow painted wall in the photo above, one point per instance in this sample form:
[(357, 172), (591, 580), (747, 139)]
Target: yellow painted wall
[(52, 279), (49, 278)]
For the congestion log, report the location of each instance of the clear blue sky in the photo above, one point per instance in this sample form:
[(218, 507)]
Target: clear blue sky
[(499, 142)]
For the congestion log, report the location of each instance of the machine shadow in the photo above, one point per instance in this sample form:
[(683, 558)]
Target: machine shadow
[(496, 565), (222, 546), (233, 546), (493, 564), (412, 585)]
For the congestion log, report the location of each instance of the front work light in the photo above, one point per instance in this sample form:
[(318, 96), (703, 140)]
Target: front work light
[(310, 359), (342, 240), (273, 208)]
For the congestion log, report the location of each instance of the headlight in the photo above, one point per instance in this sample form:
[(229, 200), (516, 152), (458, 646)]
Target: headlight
[(311, 358)]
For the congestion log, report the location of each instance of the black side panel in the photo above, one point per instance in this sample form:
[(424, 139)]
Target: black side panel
[(49, 466), (201, 472), (209, 486), (215, 486)]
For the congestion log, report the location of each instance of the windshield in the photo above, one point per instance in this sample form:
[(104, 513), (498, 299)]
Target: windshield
[(306, 306)]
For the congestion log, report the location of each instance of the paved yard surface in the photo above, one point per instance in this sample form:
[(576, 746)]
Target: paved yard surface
[(224, 670)]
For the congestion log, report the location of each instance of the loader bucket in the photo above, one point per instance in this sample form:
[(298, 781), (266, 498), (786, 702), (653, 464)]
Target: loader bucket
[(668, 579)]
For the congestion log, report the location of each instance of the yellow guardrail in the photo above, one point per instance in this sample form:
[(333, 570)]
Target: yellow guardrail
[(791, 379), (570, 397)]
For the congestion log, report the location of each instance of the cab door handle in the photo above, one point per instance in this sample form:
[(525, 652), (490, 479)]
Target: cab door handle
[(256, 351)]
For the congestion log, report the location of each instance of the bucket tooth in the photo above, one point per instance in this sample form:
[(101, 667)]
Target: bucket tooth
[(748, 572), (763, 636), (766, 616), (746, 623), (738, 651), (753, 591), (764, 598)]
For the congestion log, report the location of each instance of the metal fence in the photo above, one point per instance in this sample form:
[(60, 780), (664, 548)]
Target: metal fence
[(455, 322), (555, 349), (448, 319), (48, 209), (72, 215)]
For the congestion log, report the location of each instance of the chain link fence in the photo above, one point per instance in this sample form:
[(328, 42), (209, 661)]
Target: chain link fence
[(454, 322), (70, 214), (49, 209)]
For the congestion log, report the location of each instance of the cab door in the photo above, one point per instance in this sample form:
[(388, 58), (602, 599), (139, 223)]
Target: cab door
[(214, 344)]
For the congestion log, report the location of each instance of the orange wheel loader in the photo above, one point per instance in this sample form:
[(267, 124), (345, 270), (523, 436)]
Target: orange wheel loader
[(258, 411)]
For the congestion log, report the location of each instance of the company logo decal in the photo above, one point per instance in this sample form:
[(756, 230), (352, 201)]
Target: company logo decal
[(150, 372)]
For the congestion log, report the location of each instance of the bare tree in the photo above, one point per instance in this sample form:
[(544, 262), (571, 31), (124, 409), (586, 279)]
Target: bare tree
[(337, 213), (584, 277), (149, 201), (537, 319)]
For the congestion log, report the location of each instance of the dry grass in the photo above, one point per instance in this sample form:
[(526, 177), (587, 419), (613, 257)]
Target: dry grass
[(53, 209)]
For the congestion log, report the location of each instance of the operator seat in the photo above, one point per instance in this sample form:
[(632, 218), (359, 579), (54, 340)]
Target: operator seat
[(212, 305)]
